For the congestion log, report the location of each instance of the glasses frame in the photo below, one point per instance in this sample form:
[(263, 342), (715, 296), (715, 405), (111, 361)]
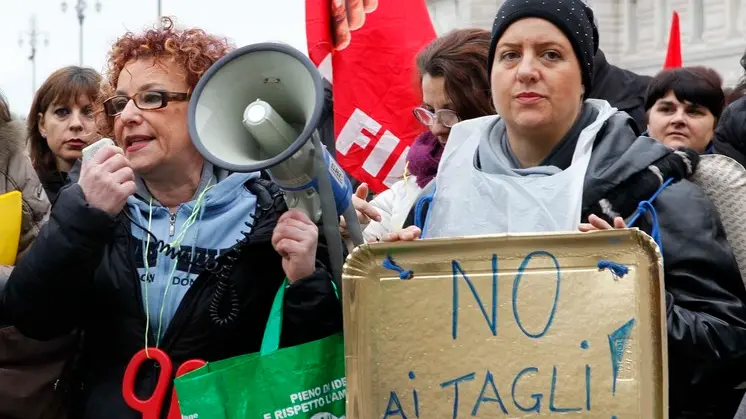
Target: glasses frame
[(166, 97), (436, 117)]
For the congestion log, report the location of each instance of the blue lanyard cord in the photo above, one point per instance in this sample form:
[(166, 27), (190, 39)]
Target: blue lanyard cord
[(418, 221), (647, 206)]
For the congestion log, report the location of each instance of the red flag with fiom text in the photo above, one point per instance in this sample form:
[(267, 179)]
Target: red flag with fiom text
[(367, 50)]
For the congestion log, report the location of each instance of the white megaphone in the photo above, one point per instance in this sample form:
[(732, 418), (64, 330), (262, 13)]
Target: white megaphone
[(259, 108)]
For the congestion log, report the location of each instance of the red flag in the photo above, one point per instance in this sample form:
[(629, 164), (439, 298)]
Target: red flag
[(318, 30), (673, 56), (373, 79)]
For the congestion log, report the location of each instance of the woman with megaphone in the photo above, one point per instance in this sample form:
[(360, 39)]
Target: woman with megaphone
[(155, 249)]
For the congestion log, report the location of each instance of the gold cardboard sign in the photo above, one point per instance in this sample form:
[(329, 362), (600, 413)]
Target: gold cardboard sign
[(507, 326)]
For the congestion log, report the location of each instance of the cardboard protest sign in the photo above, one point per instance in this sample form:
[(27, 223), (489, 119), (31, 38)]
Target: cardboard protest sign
[(569, 325)]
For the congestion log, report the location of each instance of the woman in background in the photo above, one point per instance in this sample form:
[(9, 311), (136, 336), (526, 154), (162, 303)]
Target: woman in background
[(61, 123), (455, 87), (683, 107)]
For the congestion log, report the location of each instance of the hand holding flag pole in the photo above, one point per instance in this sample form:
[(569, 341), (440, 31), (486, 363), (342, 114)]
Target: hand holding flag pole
[(371, 73), (347, 16)]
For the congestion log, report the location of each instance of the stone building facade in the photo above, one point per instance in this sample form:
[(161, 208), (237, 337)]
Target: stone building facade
[(634, 33)]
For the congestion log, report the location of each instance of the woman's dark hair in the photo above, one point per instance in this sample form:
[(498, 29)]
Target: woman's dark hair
[(460, 57), (63, 86), (700, 85), (4, 109)]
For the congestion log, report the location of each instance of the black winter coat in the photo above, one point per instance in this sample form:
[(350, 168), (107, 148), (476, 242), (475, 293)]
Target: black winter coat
[(81, 272), (622, 88), (730, 134)]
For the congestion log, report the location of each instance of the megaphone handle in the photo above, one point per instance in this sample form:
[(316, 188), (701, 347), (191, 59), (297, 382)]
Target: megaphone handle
[(329, 215), (353, 225)]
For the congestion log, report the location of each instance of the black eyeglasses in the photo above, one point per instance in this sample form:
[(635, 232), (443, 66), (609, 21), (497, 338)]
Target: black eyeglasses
[(428, 118), (147, 100)]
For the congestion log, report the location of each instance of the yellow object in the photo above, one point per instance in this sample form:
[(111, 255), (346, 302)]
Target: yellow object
[(10, 226)]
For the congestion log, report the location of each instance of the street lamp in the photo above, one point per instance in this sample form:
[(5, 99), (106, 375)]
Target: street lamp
[(80, 7), (33, 39)]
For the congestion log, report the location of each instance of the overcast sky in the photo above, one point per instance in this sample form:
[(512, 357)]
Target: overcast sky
[(243, 21)]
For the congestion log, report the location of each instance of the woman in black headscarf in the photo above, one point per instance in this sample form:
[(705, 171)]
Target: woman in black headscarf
[(554, 160)]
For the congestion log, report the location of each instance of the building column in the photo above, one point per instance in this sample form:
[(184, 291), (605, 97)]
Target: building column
[(697, 20), (629, 16), (662, 21), (732, 18)]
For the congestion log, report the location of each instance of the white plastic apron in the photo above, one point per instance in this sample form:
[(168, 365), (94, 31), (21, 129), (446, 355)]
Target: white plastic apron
[(468, 201)]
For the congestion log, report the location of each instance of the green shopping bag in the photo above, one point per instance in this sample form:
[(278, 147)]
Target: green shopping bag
[(301, 382)]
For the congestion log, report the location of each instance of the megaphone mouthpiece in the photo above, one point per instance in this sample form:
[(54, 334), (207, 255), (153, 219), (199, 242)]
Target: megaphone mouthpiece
[(234, 96), (273, 134), (255, 113)]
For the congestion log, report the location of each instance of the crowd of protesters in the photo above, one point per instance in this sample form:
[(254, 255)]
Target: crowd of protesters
[(530, 107)]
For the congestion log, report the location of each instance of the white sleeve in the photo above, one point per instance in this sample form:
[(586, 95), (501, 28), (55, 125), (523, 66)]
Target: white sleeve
[(384, 203), (393, 205)]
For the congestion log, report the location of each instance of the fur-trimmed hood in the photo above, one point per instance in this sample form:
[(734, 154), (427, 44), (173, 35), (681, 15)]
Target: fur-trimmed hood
[(12, 138), (18, 174)]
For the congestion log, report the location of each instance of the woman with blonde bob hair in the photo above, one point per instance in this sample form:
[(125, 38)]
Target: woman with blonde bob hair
[(101, 263)]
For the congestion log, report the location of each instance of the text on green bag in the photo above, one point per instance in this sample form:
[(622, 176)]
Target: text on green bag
[(312, 399)]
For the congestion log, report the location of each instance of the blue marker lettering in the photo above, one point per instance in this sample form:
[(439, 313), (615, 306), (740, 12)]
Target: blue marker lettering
[(454, 382), (588, 388), (552, 408), (516, 283), (458, 270), (394, 400), (537, 405), (415, 398), (482, 398), (617, 343)]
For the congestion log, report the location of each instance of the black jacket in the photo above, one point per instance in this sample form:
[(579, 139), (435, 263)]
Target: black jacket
[(81, 272), (705, 296), (622, 88), (53, 182), (730, 134)]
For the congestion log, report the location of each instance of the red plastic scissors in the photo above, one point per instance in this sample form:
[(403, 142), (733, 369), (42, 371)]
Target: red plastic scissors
[(151, 407)]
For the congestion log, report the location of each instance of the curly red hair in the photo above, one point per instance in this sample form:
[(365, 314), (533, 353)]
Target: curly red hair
[(193, 49)]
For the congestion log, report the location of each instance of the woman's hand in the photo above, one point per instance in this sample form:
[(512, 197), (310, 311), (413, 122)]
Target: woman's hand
[(295, 238), (365, 211), (347, 16), (107, 180), (408, 234), (597, 223)]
